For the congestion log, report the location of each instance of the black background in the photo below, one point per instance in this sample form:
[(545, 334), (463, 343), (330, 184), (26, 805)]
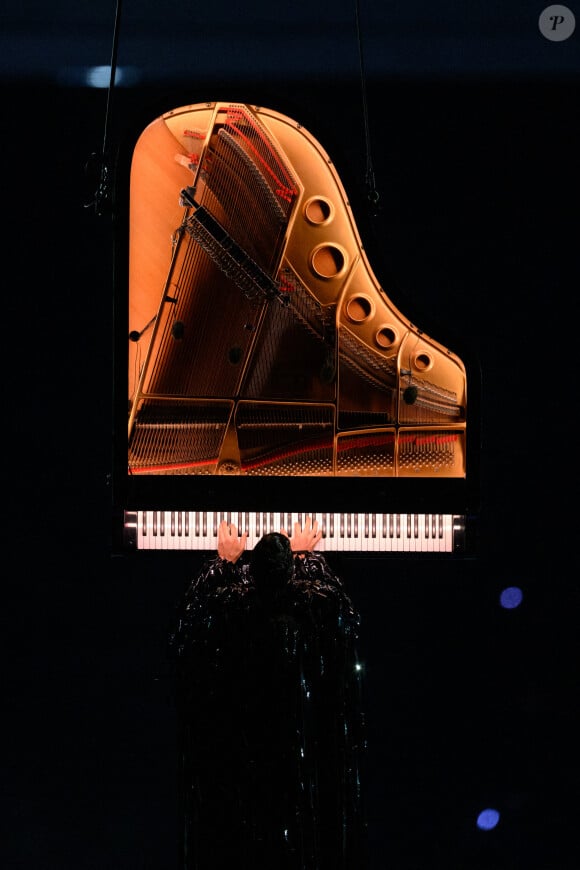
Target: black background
[(469, 705)]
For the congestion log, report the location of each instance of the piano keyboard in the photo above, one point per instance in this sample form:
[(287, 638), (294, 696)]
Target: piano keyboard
[(341, 532)]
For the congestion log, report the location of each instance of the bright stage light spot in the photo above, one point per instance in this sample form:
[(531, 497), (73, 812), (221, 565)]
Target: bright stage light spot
[(511, 597), (100, 76), (97, 76), (487, 819)]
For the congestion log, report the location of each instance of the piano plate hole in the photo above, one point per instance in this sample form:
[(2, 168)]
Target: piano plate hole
[(359, 309), (422, 362), (386, 337), (229, 466), (327, 261), (318, 211)]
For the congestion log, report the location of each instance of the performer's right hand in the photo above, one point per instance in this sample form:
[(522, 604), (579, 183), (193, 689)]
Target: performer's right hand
[(304, 538)]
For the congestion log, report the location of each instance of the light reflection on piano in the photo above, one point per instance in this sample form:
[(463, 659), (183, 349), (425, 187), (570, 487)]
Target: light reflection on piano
[(263, 348)]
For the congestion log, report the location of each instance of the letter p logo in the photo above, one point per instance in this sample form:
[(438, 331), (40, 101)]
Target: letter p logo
[(557, 23)]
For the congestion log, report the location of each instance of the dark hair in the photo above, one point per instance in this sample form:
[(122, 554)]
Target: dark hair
[(272, 562)]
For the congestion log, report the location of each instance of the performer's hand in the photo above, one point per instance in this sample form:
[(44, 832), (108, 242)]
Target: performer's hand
[(304, 538), (230, 546)]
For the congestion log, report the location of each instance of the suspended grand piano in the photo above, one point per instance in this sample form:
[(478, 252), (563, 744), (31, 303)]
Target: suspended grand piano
[(269, 374)]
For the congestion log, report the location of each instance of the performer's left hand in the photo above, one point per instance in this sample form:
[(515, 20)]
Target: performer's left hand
[(230, 545)]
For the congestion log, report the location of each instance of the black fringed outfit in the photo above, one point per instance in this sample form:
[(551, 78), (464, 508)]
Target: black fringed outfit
[(271, 730)]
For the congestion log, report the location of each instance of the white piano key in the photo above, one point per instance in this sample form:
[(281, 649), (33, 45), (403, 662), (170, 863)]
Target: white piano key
[(435, 531), (412, 531), (247, 527), (447, 538), (159, 530), (427, 536), (155, 529), (204, 535), (362, 533), (251, 527), (142, 530)]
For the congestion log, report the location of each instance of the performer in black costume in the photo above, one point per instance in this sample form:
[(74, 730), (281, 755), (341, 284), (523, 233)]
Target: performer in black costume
[(268, 693)]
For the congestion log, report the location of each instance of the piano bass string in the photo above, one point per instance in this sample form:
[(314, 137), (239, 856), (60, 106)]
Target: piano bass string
[(261, 343)]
